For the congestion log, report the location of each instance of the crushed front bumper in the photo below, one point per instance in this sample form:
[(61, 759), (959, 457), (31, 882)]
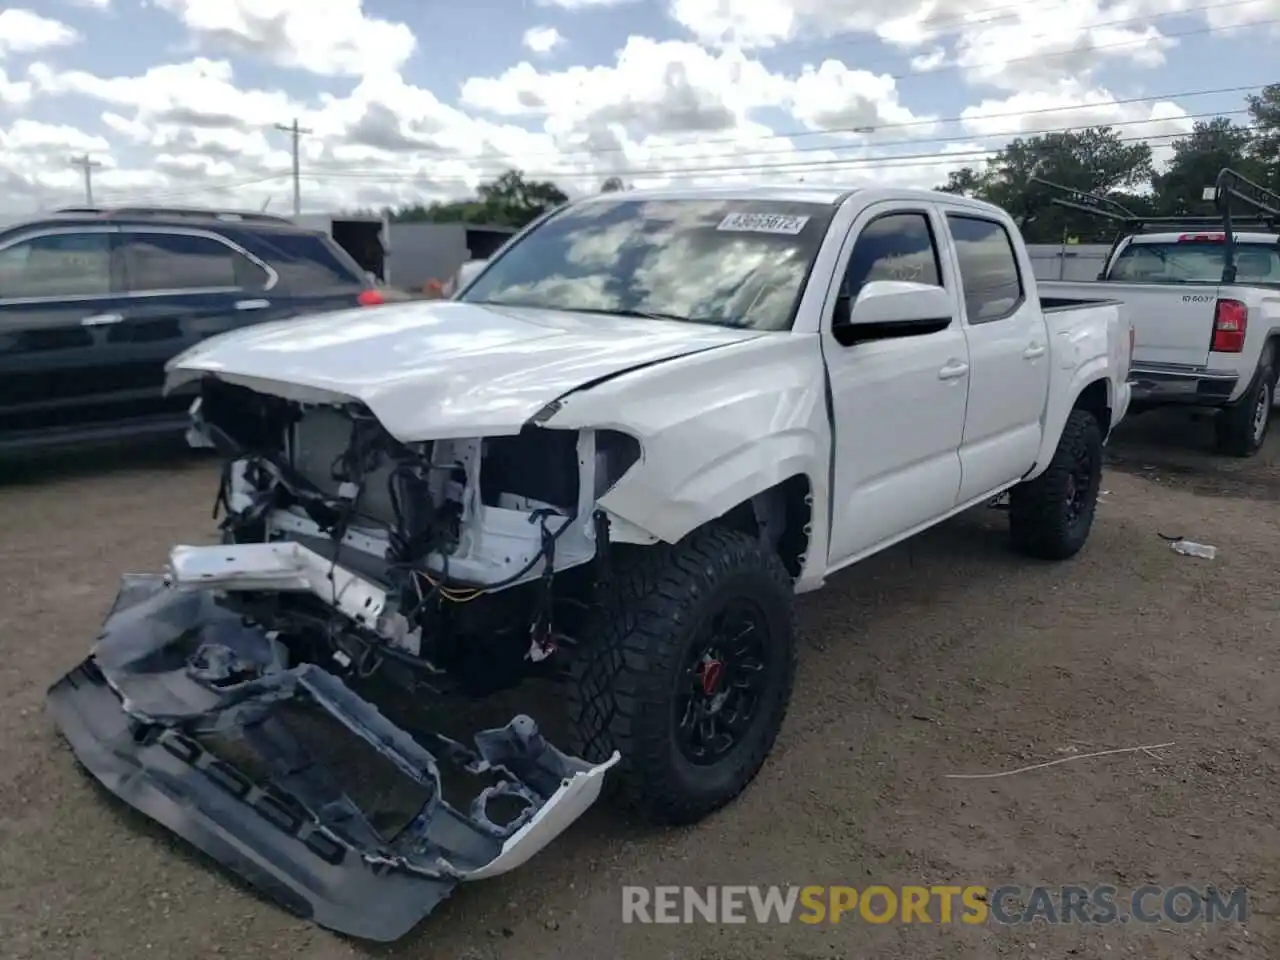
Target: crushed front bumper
[(173, 672)]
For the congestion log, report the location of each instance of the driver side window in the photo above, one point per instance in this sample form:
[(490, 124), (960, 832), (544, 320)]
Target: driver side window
[(897, 246)]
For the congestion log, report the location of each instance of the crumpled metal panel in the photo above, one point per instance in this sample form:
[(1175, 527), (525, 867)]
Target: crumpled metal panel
[(173, 669)]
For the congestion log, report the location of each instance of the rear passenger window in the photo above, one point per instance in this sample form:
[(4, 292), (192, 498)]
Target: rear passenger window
[(899, 246), (57, 265), (305, 261), (988, 268), (181, 261)]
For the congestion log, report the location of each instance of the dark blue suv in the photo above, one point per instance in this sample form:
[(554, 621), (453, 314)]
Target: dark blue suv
[(93, 303)]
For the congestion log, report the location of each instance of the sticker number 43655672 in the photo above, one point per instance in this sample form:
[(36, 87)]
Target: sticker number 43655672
[(763, 223)]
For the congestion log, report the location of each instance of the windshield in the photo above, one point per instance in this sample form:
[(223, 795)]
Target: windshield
[(736, 263), (1194, 263)]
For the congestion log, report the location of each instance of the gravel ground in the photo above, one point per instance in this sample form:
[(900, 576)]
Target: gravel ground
[(947, 655)]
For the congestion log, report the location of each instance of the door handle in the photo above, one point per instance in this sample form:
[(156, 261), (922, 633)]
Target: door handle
[(101, 319), (953, 370), (1034, 351), (252, 304)]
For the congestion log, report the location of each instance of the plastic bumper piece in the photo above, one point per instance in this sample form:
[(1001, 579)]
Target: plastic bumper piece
[(173, 672)]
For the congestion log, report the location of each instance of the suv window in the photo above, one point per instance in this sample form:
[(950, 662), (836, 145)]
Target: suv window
[(306, 261), (57, 265), (897, 246), (181, 261), (988, 268)]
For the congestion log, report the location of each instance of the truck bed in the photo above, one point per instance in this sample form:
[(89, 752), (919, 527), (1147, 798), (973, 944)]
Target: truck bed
[(1057, 304), (1173, 322)]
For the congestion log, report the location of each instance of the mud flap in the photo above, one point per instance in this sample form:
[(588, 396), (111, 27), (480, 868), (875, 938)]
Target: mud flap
[(173, 672)]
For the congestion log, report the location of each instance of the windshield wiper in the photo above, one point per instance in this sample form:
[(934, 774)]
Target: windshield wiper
[(608, 312), (641, 314)]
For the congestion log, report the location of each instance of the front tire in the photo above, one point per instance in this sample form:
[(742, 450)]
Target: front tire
[(686, 669), (1050, 517), (1242, 428)]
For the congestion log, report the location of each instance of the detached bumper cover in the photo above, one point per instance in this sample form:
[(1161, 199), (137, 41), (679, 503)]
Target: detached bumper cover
[(172, 671)]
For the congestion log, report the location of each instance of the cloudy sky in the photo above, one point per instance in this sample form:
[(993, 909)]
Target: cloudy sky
[(177, 100)]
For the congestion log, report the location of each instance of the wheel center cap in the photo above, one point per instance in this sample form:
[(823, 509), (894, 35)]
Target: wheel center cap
[(711, 672)]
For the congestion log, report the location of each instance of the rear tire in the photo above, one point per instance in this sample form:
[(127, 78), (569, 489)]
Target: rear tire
[(640, 678), (1050, 517), (1241, 428)]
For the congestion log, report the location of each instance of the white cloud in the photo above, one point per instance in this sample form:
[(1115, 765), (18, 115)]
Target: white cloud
[(327, 37), (22, 31), (542, 39), (92, 4), (13, 93), (659, 111)]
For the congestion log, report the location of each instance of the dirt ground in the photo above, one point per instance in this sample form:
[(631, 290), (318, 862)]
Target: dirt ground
[(948, 655)]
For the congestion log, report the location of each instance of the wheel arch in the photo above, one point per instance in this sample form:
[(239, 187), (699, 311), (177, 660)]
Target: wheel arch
[(1092, 390)]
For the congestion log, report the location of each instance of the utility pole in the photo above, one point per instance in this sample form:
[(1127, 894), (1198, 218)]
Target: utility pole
[(87, 167), (296, 133)]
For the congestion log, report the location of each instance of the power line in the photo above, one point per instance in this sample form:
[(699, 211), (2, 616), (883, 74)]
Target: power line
[(931, 159), (504, 161), (387, 175), (915, 141), (86, 166), (296, 133)]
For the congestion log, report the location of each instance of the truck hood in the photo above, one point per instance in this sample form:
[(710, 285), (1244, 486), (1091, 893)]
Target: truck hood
[(442, 369)]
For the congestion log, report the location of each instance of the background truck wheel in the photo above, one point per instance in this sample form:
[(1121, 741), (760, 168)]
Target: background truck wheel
[(1242, 427), (686, 669), (1050, 516)]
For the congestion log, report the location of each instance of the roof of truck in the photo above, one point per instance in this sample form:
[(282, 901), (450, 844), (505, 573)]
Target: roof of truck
[(782, 191), (793, 192), (1145, 238)]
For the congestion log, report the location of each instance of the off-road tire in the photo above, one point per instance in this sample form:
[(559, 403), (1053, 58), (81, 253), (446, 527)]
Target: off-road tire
[(622, 674), (1040, 520), (1238, 432)]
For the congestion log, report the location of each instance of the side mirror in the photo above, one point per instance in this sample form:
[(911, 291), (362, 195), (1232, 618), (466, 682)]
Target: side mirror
[(893, 308)]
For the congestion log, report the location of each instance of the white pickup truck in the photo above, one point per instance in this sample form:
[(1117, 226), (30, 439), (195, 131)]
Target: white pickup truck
[(1205, 311), (646, 424)]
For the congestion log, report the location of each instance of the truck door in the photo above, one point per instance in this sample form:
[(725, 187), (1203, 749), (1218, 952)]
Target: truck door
[(1008, 355), (899, 403)]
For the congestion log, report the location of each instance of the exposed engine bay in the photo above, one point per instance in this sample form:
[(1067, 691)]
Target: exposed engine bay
[(226, 697), (465, 560)]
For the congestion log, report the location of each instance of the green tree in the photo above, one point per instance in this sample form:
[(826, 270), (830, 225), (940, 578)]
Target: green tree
[(1097, 160), (966, 182), (1264, 112), (508, 201), (1197, 160), (613, 185)]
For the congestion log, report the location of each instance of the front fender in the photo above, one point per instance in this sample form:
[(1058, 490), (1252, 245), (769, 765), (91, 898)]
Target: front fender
[(715, 429), (671, 496)]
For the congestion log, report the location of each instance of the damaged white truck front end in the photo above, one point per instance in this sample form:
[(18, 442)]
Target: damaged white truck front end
[(614, 460), (407, 535)]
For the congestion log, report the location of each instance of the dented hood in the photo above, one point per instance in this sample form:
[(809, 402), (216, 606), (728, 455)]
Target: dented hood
[(442, 369)]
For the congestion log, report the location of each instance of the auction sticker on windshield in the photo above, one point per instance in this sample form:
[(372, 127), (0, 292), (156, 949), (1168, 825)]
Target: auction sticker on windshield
[(763, 223)]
